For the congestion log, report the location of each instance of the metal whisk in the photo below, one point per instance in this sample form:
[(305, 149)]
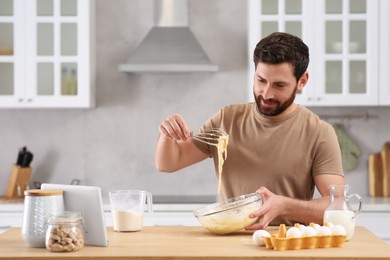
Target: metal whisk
[(209, 136)]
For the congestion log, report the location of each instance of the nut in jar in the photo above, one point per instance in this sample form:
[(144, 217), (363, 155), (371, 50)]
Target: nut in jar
[(65, 232)]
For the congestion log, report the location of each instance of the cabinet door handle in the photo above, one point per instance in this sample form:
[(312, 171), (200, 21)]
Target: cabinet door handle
[(29, 100), (20, 100)]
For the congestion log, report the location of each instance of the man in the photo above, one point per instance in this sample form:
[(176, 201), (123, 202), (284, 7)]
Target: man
[(277, 148)]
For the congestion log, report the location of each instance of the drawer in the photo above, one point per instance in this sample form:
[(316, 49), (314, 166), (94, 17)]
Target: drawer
[(377, 222), (11, 219), (163, 219)]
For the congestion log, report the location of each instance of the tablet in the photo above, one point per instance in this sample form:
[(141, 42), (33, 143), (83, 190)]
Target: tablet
[(88, 201)]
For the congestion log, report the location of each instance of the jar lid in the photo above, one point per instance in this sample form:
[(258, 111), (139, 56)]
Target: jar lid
[(66, 217), (38, 192)]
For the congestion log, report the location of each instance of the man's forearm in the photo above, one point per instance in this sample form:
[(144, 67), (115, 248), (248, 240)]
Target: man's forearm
[(305, 211), (167, 153)]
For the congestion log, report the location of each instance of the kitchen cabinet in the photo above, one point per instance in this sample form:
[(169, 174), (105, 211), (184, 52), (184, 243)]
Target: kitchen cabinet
[(344, 38), (46, 54), (376, 222), (10, 219), (14, 219), (163, 219), (11, 215), (384, 57)]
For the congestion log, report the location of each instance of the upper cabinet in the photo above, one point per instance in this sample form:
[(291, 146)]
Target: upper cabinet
[(344, 38), (46, 54), (384, 50)]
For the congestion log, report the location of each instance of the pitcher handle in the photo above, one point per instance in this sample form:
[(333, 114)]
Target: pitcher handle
[(357, 196), (150, 202)]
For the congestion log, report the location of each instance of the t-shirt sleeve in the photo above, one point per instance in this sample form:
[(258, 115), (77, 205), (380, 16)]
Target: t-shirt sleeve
[(327, 159)]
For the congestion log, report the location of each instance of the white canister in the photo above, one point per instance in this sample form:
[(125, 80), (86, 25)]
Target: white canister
[(39, 205)]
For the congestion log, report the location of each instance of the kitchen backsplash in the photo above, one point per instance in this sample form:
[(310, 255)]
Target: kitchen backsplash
[(113, 145)]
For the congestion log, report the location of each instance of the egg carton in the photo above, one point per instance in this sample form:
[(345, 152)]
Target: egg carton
[(280, 242)]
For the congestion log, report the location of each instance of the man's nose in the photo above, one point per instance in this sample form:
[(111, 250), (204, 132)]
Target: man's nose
[(267, 92)]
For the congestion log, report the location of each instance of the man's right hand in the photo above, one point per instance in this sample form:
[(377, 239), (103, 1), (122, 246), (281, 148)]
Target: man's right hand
[(173, 151), (174, 127)]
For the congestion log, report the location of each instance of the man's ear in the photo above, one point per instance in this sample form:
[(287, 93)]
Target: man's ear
[(303, 81)]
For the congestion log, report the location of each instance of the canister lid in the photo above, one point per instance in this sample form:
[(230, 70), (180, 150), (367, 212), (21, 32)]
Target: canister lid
[(38, 192)]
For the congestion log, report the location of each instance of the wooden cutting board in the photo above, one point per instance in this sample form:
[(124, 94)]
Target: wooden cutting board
[(379, 172), (385, 154), (375, 175)]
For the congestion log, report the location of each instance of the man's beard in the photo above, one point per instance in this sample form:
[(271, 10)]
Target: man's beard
[(278, 109)]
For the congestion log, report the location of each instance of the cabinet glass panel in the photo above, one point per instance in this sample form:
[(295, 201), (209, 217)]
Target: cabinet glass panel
[(357, 6), (294, 28), (69, 7), (6, 7), (334, 37), (268, 27), (6, 79), (293, 6), (6, 39), (45, 39), (269, 7), (357, 36), (334, 6), (45, 77), (69, 85), (357, 77), (45, 8), (68, 39), (334, 74)]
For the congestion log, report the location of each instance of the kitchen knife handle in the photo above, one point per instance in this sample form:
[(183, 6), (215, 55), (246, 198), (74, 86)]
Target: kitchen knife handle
[(27, 158), (21, 154)]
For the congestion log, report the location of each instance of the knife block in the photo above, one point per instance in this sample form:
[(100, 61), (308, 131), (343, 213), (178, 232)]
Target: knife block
[(18, 181)]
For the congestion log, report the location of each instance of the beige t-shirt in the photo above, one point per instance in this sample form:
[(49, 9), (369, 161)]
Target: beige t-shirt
[(282, 154)]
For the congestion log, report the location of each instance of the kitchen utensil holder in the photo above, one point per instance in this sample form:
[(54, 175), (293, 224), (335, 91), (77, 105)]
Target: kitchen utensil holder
[(18, 181)]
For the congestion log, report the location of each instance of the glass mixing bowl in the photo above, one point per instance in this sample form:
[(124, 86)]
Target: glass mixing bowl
[(230, 215)]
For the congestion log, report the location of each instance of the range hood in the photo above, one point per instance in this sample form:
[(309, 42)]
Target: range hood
[(170, 45)]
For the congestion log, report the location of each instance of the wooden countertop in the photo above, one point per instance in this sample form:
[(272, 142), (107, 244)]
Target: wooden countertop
[(193, 243)]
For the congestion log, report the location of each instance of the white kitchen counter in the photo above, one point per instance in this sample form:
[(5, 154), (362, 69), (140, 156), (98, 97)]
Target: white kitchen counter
[(370, 204), (163, 207), (375, 204)]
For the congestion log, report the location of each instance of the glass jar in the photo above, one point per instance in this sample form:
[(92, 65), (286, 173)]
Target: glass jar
[(65, 232), (38, 206)]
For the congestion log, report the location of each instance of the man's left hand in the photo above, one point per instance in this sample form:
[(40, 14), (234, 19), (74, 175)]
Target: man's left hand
[(272, 207)]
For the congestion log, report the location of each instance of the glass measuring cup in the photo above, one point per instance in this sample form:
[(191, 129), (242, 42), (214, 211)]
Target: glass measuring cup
[(128, 207)]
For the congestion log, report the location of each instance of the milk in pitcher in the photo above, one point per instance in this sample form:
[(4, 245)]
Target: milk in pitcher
[(342, 217)]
